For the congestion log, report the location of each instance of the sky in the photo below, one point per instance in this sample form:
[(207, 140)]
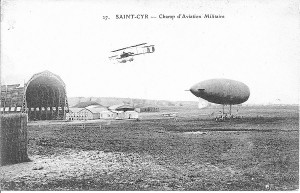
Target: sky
[(257, 43)]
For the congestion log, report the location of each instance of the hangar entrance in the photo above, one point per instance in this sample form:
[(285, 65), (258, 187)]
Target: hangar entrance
[(45, 97)]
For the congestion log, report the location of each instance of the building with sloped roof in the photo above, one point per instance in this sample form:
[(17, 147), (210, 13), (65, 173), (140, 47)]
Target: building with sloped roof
[(124, 111), (92, 113), (74, 114)]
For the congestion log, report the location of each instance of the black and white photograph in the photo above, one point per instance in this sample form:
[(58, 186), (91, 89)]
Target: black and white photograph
[(138, 95)]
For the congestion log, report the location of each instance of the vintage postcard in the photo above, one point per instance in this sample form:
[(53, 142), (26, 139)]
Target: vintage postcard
[(150, 95)]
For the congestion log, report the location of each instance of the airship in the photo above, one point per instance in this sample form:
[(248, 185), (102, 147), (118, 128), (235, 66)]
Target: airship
[(222, 91)]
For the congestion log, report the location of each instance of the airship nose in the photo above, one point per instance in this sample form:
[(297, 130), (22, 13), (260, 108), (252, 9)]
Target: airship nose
[(194, 90)]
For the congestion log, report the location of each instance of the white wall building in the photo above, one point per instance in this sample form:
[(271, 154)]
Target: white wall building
[(131, 115), (92, 113), (107, 115), (74, 114)]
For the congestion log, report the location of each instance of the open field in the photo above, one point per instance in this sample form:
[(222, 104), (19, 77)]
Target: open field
[(193, 152)]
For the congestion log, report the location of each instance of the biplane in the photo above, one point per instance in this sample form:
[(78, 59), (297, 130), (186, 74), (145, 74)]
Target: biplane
[(126, 54)]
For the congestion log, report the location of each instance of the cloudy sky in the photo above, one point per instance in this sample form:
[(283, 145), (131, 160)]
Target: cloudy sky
[(257, 43)]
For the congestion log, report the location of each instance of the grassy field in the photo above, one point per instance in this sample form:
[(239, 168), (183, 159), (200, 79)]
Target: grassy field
[(193, 152)]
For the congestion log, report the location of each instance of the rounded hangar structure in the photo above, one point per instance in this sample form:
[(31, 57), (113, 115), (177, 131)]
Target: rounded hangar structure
[(45, 97)]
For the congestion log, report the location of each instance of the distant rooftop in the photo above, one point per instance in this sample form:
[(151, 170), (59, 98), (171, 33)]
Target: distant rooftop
[(122, 107), (86, 104), (75, 110), (97, 110)]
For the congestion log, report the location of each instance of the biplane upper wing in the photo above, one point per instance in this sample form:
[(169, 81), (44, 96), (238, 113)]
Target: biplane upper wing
[(129, 47), (148, 46)]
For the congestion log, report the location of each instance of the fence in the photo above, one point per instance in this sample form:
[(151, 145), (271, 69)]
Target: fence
[(13, 136)]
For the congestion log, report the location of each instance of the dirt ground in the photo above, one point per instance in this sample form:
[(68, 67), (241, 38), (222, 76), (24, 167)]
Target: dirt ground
[(191, 152)]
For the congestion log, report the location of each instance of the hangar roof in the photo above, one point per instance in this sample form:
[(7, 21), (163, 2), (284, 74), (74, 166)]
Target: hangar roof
[(86, 104), (96, 110), (75, 110), (121, 107)]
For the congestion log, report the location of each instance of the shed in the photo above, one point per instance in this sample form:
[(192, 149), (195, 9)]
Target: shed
[(131, 115), (119, 114), (107, 114)]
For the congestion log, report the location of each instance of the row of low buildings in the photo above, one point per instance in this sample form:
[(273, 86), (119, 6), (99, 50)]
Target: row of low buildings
[(43, 97), (101, 112)]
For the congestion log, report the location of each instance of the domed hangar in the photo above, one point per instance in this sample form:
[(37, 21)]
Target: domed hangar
[(45, 97)]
